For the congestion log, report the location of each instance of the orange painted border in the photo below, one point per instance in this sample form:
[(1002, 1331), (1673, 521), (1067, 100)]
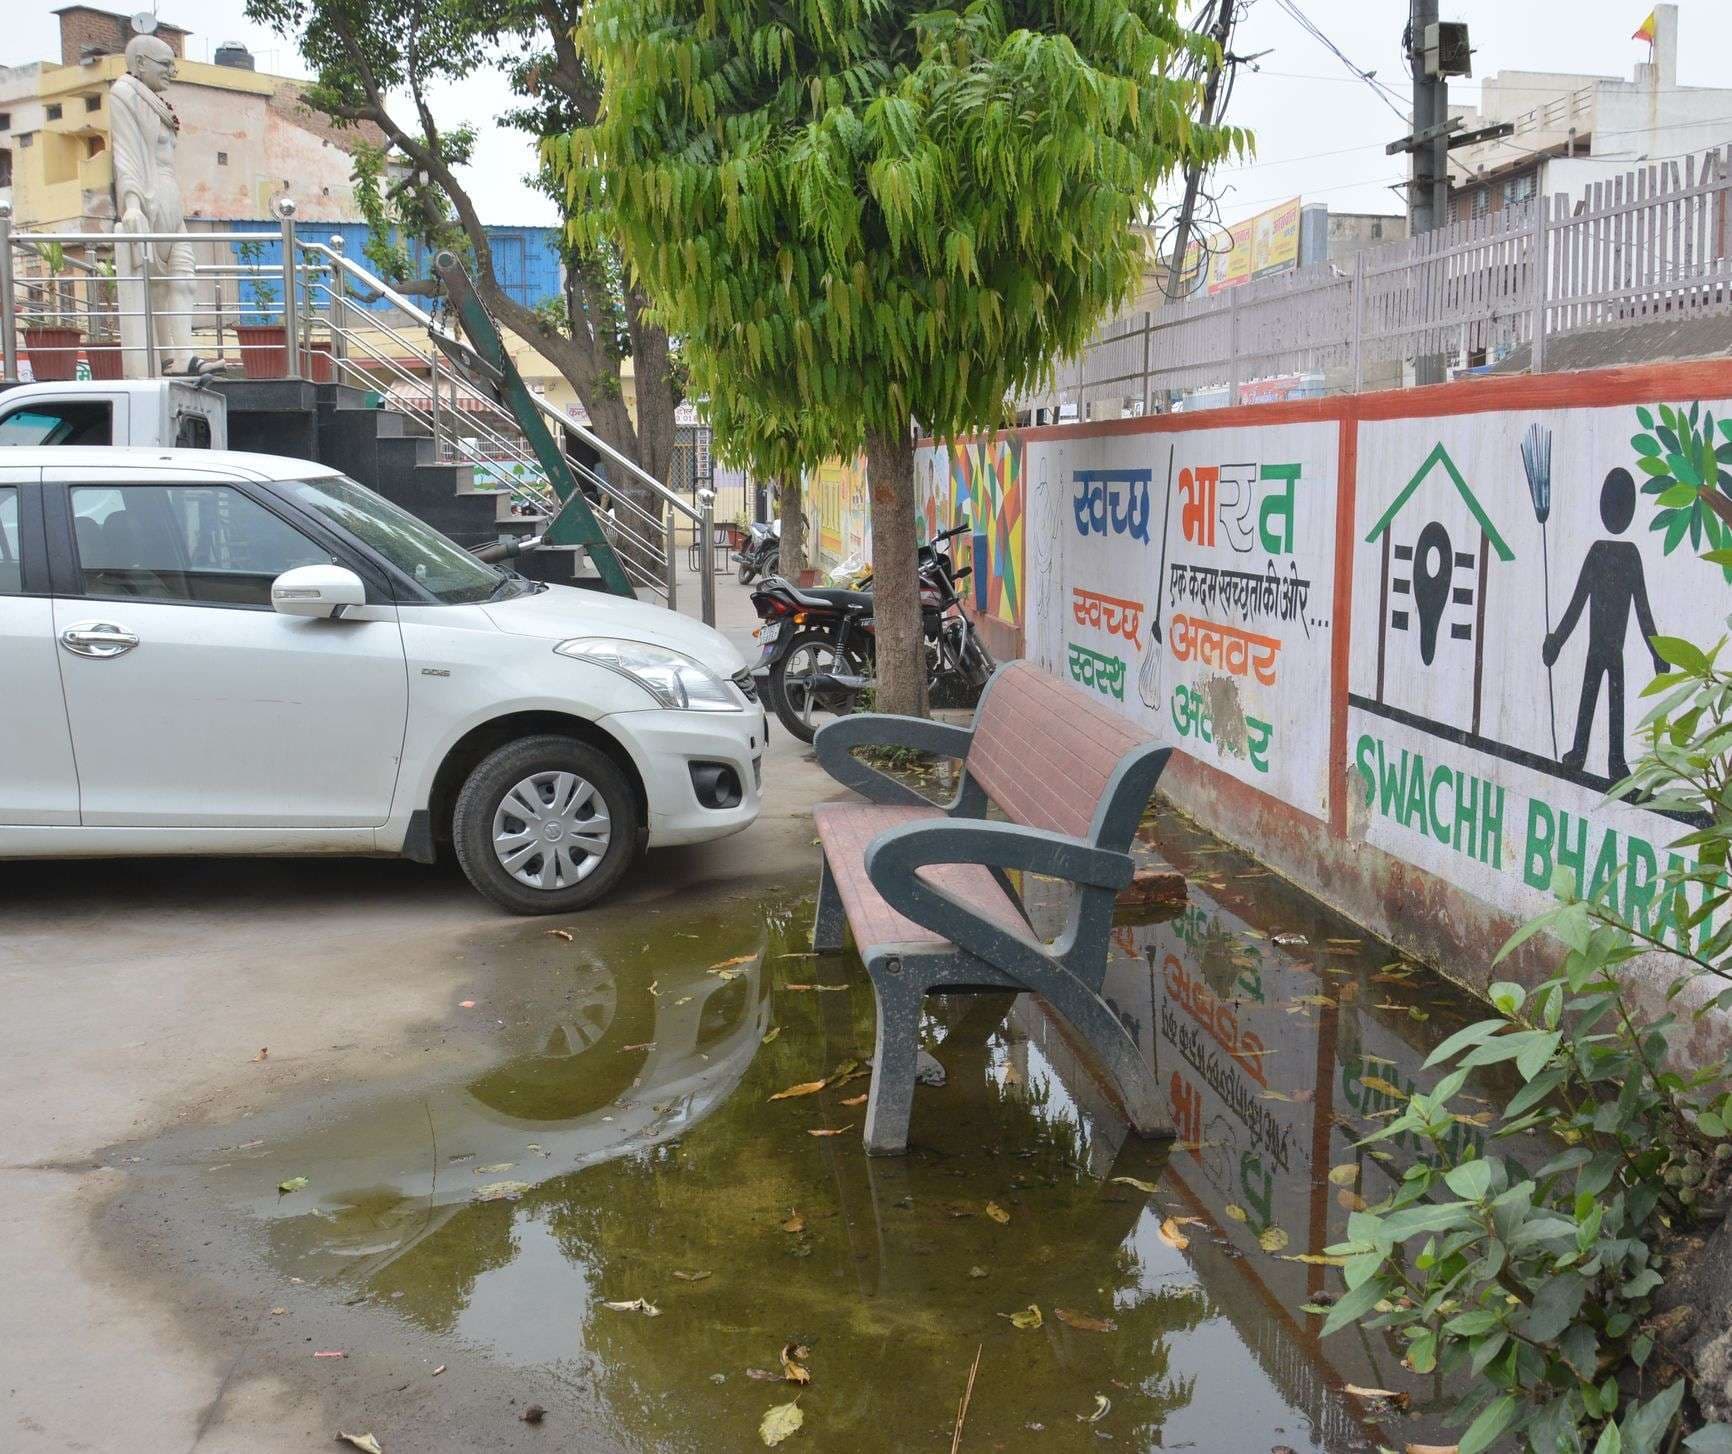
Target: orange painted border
[(1341, 619)]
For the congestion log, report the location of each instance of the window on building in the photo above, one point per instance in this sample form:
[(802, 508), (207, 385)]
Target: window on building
[(5, 120), (27, 139), (54, 111), (1520, 189), (93, 103), (1481, 201), (5, 168), (222, 158)]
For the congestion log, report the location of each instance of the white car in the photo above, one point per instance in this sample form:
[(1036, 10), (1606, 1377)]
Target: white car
[(207, 652)]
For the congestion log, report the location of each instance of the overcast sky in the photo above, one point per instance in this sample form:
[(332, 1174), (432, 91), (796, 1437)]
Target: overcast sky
[(1320, 132)]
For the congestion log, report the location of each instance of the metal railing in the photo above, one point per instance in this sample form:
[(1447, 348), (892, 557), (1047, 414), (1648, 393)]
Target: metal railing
[(85, 301), (1654, 245)]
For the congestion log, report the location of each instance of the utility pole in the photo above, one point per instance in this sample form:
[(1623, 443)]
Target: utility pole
[(1220, 32), (1428, 193)]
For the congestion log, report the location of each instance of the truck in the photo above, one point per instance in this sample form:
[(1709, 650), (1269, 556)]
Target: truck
[(172, 413)]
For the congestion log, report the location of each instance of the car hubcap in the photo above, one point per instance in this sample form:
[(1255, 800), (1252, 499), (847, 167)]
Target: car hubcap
[(551, 830)]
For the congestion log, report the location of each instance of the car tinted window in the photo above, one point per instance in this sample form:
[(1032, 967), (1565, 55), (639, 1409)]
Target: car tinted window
[(11, 572), (443, 567), (205, 543), (85, 421)]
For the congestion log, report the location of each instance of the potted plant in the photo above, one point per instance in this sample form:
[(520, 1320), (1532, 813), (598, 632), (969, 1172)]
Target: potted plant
[(264, 342), (103, 350), (52, 341)]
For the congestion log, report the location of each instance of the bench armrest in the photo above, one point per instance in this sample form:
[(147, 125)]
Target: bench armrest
[(836, 740), (898, 853)]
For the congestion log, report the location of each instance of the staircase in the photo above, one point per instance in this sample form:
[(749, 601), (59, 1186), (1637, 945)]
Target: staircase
[(393, 453)]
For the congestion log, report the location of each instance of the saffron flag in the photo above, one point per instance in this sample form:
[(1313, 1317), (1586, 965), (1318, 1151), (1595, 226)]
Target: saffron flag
[(1646, 31)]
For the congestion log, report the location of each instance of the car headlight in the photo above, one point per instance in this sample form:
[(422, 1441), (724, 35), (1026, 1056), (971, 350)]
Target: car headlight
[(672, 679)]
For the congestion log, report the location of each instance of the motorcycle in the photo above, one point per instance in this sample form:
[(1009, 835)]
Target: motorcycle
[(819, 648), (762, 552)]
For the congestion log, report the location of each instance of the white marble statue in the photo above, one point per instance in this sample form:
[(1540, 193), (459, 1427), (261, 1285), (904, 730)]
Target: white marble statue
[(144, 133)]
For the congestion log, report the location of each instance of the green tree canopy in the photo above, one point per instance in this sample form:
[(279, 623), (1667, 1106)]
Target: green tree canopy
[(862, 214)]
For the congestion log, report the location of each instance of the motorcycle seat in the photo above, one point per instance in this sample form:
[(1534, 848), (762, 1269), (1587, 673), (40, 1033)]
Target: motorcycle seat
[(832, 596)]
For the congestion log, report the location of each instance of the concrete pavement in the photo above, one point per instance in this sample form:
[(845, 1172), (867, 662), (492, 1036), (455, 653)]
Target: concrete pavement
[(139, 996)]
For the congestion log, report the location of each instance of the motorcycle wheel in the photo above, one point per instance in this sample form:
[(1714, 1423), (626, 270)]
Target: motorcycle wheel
[(977, 662), (747, 571), (803, 711)]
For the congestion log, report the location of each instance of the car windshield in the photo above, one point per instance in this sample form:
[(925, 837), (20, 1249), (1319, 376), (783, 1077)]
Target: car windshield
[(440, 566)]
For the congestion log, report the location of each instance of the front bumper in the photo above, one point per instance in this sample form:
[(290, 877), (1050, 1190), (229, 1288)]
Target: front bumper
[(665, 744)]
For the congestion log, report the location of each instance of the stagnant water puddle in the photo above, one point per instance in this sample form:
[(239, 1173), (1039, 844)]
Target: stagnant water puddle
[(627, 1145)]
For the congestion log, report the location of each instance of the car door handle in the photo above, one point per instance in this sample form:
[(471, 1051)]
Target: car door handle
[(97, 639)]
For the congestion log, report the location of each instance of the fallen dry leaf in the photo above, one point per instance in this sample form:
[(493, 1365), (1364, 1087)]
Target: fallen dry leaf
[(1102, 1405), (1350, 1201), (501, 1191), (1172, 1236), (1029, 1317), (499, 1168), (564, 934), (1314, 1259), (795, 1222), (360, 1441), (771, 1034), (1272, 1239), (779, 1422), (635, 1305), (805, 1088), (641, 1045), (1083, 1323), (792, 1369), (466, 1004), (1344, 1175), (1433, 1449), (1145, 1186), (437, 1371), (977, 1271), (534, 1414), (1378, 1083), (278, 1312), (1388, 1395), (264, 1053), (737, 959), (690, 1276), (830, 1130), (858, 1100), (997, 1213), (1236, 1212), (294, 1183)]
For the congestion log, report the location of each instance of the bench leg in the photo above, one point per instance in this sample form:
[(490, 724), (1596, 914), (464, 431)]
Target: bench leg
[(830, 928), (900, 998)]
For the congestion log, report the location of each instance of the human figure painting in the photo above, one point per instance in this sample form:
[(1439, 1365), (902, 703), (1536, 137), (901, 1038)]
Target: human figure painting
[(1611, 582)]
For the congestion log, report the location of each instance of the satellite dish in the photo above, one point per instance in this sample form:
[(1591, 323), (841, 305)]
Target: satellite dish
[(144, 23)]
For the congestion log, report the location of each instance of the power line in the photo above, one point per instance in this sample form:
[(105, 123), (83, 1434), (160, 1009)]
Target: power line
[(1379, 88)]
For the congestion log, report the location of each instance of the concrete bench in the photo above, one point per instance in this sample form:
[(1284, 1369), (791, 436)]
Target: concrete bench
[(927, 891)]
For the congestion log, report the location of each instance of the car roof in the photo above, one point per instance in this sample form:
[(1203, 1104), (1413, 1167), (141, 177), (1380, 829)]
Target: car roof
[(234, 463)]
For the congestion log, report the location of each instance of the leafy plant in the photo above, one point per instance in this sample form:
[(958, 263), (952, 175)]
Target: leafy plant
[(863, 216), (1535, 1282), (258, 283), (1689, 476)]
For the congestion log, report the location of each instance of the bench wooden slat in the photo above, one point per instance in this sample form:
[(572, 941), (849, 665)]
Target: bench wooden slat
[(846, 828)]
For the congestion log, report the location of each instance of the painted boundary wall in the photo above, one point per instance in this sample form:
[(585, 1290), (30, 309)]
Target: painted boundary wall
[(1399, 638)]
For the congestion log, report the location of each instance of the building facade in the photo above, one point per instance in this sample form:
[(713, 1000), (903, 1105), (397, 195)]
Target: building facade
[(1573, 130)]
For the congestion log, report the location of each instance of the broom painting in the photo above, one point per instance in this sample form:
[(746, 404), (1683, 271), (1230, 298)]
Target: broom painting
[(1537, 463)]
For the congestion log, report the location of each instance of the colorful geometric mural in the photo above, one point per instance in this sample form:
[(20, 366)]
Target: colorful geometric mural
[(982, 482)]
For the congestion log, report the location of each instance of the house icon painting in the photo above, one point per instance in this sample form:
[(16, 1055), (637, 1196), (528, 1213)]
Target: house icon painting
[(1437, 545)]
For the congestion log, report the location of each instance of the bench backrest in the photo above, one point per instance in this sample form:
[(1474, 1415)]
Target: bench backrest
[(1046, 752)]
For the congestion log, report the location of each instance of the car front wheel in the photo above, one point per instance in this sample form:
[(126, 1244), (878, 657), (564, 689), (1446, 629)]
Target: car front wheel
[(545, 825)]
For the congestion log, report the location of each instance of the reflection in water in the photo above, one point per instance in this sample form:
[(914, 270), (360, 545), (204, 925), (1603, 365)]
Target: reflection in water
[(634, 1110)]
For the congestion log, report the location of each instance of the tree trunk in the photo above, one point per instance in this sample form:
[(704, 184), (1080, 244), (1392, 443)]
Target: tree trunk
[(901, 665), (793, 546)]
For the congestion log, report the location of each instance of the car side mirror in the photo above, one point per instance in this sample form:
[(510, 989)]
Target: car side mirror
[(324, 591)]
